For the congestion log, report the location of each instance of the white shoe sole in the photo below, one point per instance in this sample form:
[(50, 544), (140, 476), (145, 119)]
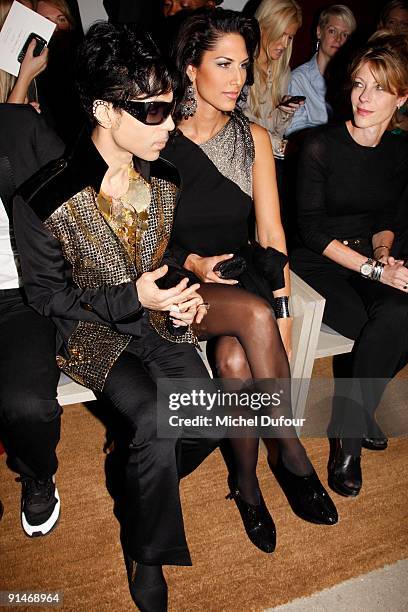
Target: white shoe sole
[(44, 528)]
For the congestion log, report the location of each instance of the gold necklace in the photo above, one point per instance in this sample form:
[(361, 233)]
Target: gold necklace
[(128, 215)]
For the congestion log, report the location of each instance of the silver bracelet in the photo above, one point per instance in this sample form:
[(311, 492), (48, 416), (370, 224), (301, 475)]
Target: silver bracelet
[(281, 307), (377, 271)]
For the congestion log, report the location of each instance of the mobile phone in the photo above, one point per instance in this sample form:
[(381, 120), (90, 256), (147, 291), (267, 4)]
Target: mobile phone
[(293, 99), (40, 44)]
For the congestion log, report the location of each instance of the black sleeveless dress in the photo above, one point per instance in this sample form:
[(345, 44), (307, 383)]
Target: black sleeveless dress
[(215, 209)]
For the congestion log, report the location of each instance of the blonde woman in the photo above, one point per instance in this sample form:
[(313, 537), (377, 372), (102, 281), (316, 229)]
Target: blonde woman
[(58, 12), (335, 26), (267, 102), (12, 89)]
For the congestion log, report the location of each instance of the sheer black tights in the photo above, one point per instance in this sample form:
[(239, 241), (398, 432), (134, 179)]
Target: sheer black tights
[(248, 346)]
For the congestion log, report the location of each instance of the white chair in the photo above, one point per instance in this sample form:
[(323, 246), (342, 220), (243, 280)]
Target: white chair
[(70, 392), (321, 341)]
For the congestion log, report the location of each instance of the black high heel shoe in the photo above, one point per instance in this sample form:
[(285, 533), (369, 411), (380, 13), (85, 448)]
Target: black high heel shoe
[(344, 470), (375, 444), (376, 440), (257, 521), (306, 495)]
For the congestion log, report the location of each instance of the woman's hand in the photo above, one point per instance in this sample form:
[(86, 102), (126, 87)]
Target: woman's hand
[(289, 107), (32, 66), (389, 259), (285, 330), (153, 298), (395, 274), (203, 268), (36, 106)]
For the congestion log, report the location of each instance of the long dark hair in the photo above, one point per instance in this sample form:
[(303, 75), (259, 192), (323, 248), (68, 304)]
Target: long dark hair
[(200, 32)]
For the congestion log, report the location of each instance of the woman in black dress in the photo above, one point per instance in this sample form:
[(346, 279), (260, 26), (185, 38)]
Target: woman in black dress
[(228, 172), (352, 179)]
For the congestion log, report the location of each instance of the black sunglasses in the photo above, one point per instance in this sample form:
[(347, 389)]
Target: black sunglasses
[(149, 113)]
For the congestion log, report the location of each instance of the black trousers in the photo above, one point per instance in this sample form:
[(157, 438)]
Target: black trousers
[(376, 317), (29, 411), (153, 530)]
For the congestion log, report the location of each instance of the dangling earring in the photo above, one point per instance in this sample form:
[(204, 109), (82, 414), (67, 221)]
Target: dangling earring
[(317, 45), (188, 106)]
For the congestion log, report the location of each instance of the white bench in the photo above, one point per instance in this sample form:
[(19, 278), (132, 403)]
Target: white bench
[(70, 392)]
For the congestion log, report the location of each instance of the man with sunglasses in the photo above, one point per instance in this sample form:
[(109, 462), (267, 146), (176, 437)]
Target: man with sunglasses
[(91, 231)]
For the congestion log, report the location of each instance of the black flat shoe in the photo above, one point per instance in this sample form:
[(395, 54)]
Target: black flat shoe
[(344, 470), (257, 521), (306, 495)]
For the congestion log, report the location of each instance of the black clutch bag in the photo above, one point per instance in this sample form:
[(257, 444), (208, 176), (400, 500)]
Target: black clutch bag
[(231, 268)]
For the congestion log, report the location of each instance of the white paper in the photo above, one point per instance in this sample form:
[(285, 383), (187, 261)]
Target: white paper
[(20, 22)]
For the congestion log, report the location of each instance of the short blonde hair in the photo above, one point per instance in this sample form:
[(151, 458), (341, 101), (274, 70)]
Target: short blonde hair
[(62, 6), (342, 12)]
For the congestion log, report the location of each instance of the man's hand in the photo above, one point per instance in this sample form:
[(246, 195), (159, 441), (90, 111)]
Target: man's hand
[(153, 298), (187, 313)]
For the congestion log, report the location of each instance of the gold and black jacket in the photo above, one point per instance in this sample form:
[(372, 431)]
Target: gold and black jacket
[(77, 271)]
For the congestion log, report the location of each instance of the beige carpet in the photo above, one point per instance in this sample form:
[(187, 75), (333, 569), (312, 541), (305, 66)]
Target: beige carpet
[(82, 557)]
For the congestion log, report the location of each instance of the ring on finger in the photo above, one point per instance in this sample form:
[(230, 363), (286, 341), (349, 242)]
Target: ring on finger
[(206, 305)]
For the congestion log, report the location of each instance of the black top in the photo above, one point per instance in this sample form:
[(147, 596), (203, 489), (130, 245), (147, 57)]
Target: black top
[(26, 141), (213, 212), (215, 207), (346, 190)]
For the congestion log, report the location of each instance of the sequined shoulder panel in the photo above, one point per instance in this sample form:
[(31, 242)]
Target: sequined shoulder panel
[(232, 151)]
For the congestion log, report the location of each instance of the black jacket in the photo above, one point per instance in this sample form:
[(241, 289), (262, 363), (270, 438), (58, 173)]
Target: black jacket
[(26, 144), (74, 267)]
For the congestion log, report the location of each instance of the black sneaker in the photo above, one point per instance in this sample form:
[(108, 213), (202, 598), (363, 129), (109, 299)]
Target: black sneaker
[(40, 505)]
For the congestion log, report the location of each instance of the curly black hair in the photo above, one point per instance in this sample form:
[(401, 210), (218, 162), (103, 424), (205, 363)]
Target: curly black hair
[(118, 62), (201, 31)]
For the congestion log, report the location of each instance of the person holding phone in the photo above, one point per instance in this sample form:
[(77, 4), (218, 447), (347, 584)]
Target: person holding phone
[(335, 26), (268, 102), (22, 89)]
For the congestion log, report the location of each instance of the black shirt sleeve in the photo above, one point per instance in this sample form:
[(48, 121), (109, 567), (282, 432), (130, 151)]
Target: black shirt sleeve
[(312, 212), (48, 280)]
